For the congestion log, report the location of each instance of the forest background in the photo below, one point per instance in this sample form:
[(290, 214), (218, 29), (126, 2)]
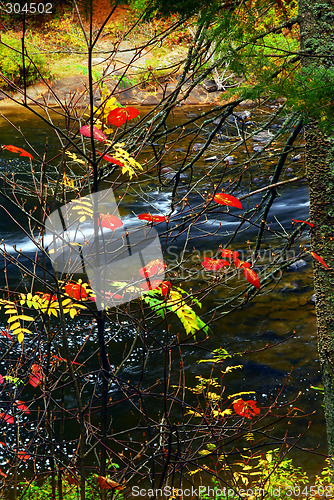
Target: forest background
[(78, 420)]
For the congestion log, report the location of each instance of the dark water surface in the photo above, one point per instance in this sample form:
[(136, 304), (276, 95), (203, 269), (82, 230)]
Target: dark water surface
[(289, 368)]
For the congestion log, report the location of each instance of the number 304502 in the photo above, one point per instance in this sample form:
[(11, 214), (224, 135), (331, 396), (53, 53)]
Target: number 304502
[(28, 8)]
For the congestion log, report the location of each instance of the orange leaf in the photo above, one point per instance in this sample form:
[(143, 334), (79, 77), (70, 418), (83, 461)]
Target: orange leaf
[(227, 199), (152, 218), (246, 409), (319, 259), (15, 149), (108, 484), (153, 268), (252, 277), (119, 116)]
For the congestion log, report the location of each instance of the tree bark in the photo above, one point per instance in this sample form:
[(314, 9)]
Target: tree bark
[(316, 20)]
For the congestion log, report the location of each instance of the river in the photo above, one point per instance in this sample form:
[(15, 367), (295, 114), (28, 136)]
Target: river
[(285, 310)]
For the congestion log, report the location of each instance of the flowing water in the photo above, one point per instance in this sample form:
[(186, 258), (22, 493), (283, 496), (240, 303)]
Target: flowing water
[(285, 310)]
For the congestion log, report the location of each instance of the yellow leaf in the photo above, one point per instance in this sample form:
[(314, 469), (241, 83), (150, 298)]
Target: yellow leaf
[(73, 312), (15, 325), (13, 318), (23, 317), (21, 330), (11, 311), (20, 337)]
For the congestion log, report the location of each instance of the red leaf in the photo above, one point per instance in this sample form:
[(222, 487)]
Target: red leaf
[(151, 285), (214, 265), (36, 376), (252, 277), (304, 221), (5, 334), (7, 418), (48, 298), (23, 456), (3, 474), (119, 116), (246, 409), (227, 199), (3, 444), (1, 379), (108, 484), (229, 254), (15, 149), (153, 268), (111, 160), (110, 221), (152, 218), (98, 135), (75, 291), (319, 259), (241, 263), (21, 406), (165, 288)]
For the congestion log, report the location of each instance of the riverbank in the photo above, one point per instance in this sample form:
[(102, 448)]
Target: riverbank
[(74, 89)]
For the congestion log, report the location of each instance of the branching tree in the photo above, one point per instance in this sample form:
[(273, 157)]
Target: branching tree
[(91, 368)]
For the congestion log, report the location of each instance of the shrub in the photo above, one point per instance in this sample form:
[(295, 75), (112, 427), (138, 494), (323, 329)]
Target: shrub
[(11, 61)]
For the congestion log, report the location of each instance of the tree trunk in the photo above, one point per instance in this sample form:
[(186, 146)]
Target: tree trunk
[(316, 20)]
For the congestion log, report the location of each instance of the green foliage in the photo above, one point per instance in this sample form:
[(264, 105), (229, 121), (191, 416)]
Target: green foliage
[(43, 490), (185, 8), (308, 91), (11, 61)]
